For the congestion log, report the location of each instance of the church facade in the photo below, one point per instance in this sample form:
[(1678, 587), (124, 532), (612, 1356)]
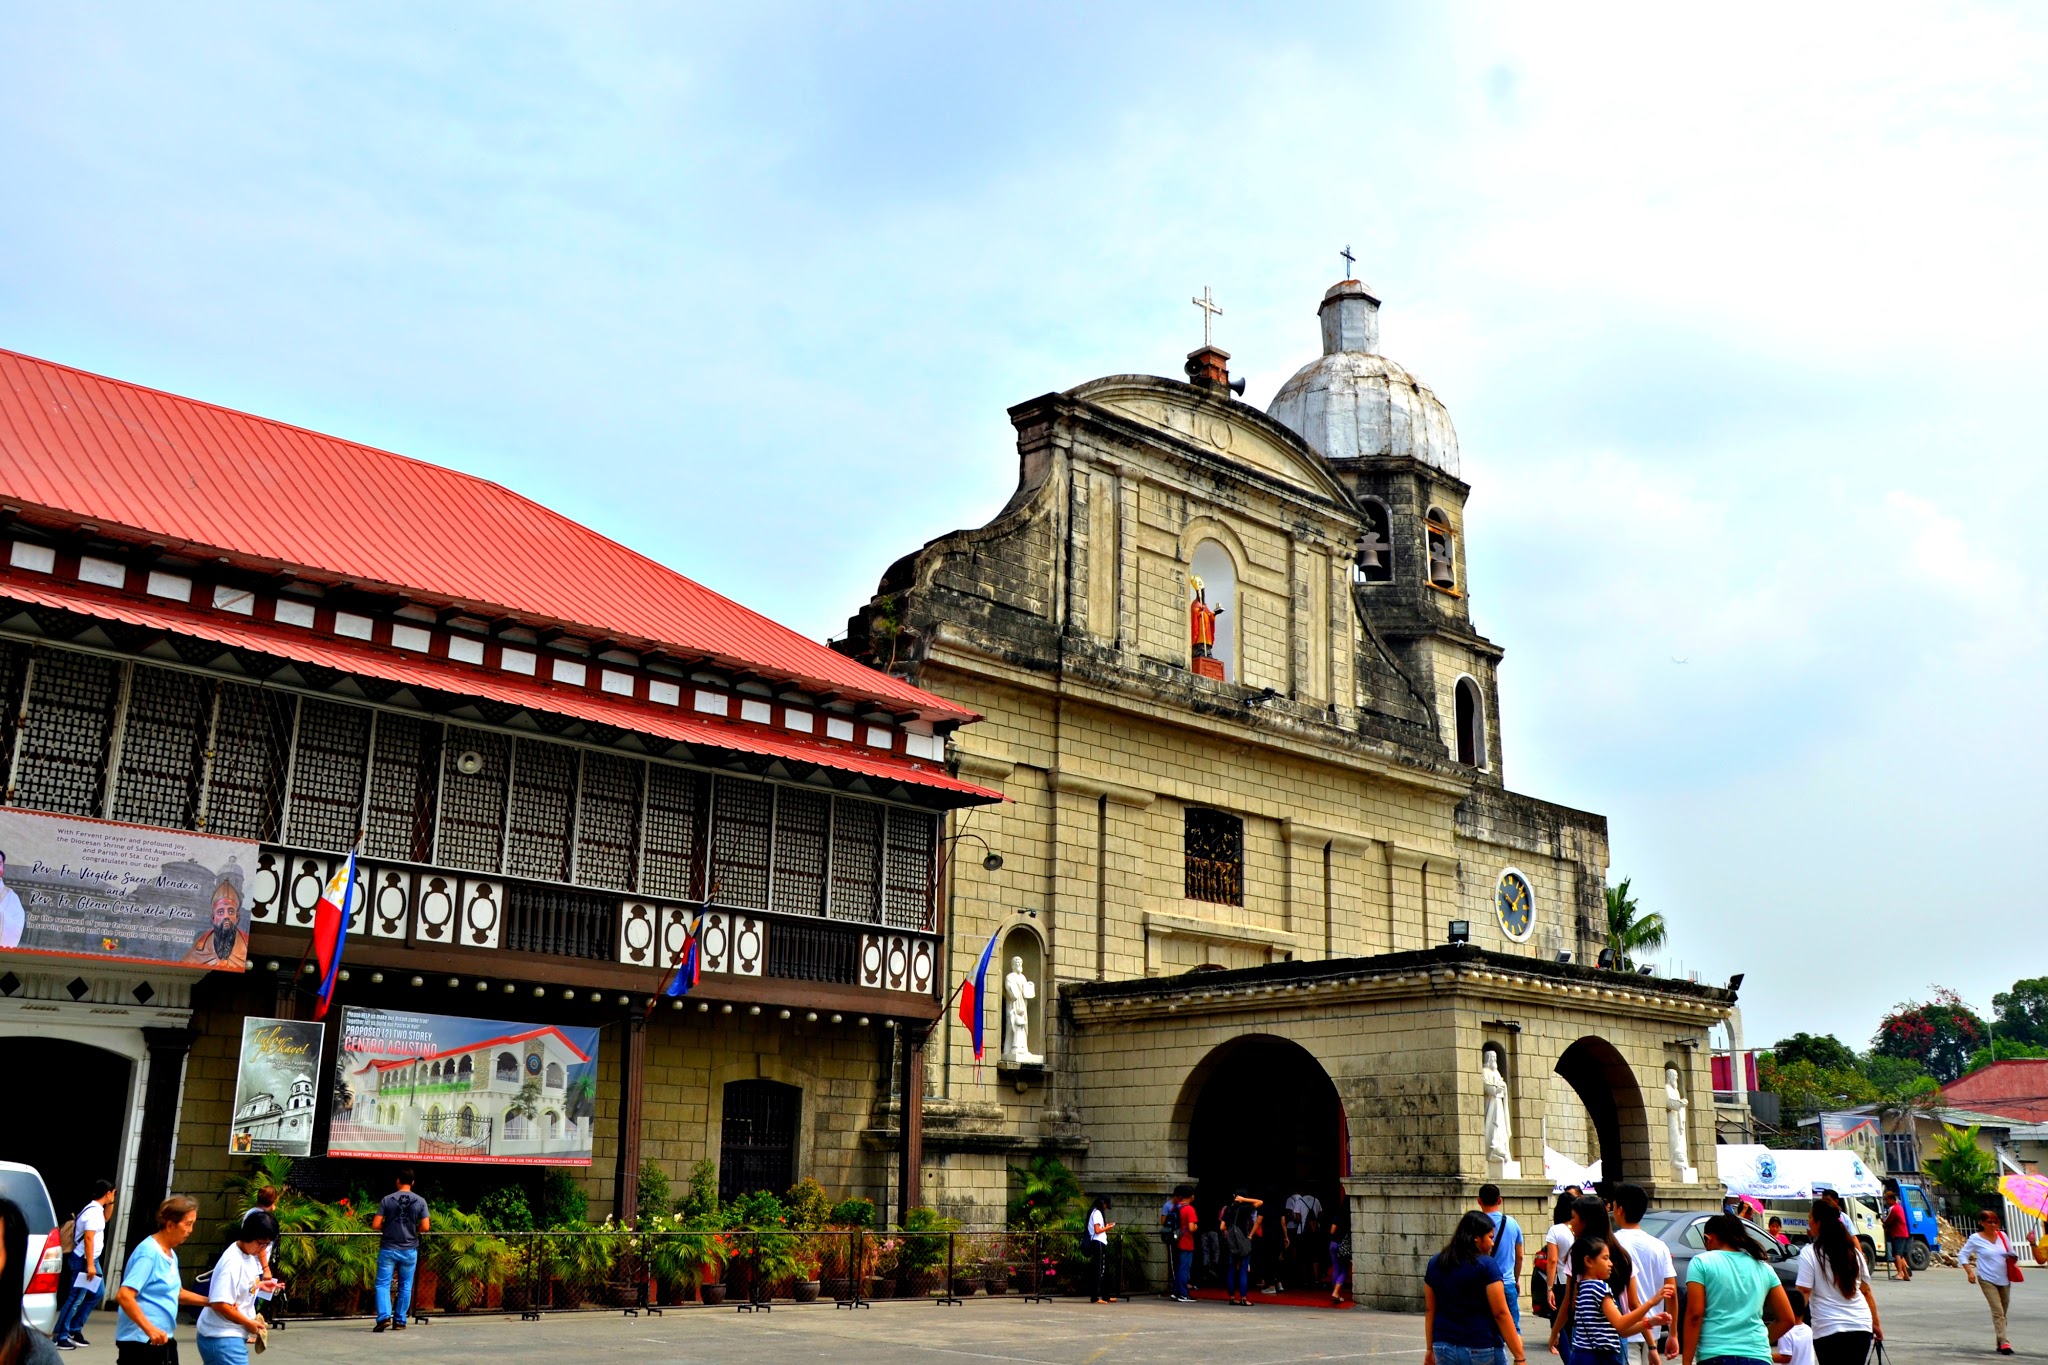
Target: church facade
[(1268, 915)]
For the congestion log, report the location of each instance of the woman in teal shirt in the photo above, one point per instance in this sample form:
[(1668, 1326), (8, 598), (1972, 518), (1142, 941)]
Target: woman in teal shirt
[(1734, 1306), (152, 1289)]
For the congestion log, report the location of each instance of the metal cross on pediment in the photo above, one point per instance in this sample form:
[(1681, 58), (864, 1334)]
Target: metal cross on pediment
[(1348, 259), (1211, 310)]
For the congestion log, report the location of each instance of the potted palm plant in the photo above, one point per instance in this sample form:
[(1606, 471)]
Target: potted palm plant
[(921, 1263)]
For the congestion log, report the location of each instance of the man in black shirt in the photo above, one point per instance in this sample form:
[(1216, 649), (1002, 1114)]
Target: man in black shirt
[(402, 1217)]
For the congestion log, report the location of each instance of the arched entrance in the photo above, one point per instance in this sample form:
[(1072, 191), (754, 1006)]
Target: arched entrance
[(1601, 1078), (82, 1094), (1263, 1116)]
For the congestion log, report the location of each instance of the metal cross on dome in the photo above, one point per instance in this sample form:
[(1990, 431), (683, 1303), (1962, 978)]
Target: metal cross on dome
[(1348, 259), (1211, 310)]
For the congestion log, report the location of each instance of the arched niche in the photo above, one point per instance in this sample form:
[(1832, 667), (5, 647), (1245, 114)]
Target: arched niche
[(1212, 566), (1470, 726), (1022, 943)]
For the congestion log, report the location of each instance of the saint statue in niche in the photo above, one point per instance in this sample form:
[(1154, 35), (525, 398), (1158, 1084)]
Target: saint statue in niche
[(1674, 1113), (1020, 990), (1202, 620), (1499, 1137)]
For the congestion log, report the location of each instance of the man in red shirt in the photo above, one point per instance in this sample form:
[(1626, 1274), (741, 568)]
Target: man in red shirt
[(1184, 1245), (1897, 1236)]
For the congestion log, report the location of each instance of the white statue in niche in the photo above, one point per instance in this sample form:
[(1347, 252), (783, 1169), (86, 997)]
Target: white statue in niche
[(1499, 1137), (1674, 1117), (1020, 990)]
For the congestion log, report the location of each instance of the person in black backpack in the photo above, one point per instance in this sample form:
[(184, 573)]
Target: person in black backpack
[(1241, 1222)]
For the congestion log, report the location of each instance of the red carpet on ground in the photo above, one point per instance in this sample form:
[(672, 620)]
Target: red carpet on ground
[(1286, 1298)]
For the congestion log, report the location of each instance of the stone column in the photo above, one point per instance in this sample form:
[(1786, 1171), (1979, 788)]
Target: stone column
[(632, 1073), (160, 1099), (910, 1113)]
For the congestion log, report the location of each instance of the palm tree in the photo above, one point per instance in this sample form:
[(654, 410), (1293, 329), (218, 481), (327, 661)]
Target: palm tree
[(1628, 928)]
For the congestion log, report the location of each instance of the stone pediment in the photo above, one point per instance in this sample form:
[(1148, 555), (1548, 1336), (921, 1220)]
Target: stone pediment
[(1219, 427)]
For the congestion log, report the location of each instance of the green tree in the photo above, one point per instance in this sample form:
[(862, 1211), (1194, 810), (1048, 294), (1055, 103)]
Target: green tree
[(2021, 1014), (1805, 1089), (2002, 1050), (1629, 930), (1941, 1034), (1825, 1051), (1963, 1168)]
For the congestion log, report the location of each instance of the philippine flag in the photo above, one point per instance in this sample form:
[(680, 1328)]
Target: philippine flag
[(688, 968), (330, 930), (971, 995)]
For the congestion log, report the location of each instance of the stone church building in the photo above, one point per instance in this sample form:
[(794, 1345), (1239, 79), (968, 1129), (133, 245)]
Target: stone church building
[(1266, 902)]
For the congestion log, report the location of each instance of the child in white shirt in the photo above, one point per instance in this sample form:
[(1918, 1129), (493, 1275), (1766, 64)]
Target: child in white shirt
[(1796, 1346)]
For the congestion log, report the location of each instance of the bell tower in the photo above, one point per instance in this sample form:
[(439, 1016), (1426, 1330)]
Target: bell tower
[(1391, 443)]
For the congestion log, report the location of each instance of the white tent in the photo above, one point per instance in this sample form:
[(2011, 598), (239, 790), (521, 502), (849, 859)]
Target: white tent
[(1561, 1171), (1767, 1173)]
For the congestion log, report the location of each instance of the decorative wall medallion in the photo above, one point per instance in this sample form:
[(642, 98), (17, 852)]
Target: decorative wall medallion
[(266, 888), (636, 933), (749, 945), (675, 934), (1515, 904), (437, 909), (872, 952), (716, 945), (921, 966), (303, 885), (482, 912), (896, 968), (390, 900)]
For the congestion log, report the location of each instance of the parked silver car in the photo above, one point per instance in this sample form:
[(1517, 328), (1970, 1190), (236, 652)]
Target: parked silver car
[(42, 1296)]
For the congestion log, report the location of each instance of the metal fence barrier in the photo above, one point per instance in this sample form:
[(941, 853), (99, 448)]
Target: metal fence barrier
[(334, 1274)]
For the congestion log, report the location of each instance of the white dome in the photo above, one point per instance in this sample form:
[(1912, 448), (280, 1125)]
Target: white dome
[(1352, 401)]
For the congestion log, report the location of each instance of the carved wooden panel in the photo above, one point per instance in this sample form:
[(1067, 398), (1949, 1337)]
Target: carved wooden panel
[(715, 947), (359, 901), (390, 902), (922, 965), (675, 932), (482, 914), (896, 964), (639, 932), (437, 908), (749, 945), (304, 881), (266, 887), (873, 953)]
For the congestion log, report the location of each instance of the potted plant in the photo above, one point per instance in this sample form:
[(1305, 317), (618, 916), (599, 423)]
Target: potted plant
[(804, 1255), (887, 1258), (760, 1247), (467, 1259), (921, 1263), (681, 1256), (992, 1261)]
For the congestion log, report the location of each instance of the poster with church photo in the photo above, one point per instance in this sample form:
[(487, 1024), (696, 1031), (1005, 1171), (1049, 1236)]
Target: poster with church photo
[(275, 1086), (437, 1087)]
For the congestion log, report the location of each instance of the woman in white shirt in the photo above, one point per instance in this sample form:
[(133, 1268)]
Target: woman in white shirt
[(229, 1323), (1985, 1258), (1558, 1245), (1098, 1249), (1836, 1281)]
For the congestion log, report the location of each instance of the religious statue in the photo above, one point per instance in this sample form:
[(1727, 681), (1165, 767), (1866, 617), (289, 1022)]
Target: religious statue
[(1202, 620), (1674, 1116), (1020, 990), (1499, 1138)]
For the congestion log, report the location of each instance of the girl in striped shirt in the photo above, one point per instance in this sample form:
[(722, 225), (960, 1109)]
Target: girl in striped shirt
[(1598, 1324)]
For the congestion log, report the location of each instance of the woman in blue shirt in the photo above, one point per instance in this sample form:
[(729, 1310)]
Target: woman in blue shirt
[(1465, 1318), (152, 1289)]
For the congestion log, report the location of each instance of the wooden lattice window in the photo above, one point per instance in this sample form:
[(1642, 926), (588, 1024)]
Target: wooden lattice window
[(672, 850), (472, 832), (608, 820), (543, 795), (856, 860), (163, 747), (741, 815), (912, 835), (63, 761), (329, 763), (404, 769), (1215, 857), (802, 821), (251, 740)]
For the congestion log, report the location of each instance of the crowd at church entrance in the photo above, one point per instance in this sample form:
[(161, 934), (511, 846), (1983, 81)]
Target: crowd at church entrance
[(1605, 1289), (1247, 1244)]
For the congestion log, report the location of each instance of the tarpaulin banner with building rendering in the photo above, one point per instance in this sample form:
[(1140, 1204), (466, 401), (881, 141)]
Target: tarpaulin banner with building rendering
[(126, 893), (436, 1087), (275, 1087)]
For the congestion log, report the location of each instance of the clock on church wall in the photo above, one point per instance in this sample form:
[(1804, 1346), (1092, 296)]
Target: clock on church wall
[(1515, 904)]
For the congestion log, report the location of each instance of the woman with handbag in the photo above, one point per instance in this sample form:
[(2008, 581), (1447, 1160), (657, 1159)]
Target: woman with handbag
[(1836, 1280), (1987, 1258)]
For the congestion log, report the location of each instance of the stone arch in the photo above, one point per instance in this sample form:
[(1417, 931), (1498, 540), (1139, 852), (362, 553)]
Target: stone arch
[(1261, 1112), (1469, 722), (1605, 1083)]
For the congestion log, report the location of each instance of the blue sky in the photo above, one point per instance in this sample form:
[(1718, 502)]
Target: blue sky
[(1741, 323)]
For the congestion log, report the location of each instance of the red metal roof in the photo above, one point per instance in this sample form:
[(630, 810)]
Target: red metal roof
[(527, 693), (103, 451), (574, 1050)]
